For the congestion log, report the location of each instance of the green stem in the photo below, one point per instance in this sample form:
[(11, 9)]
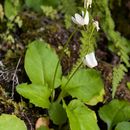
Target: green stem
[(84, 28), (79, 65), (61, 56), (61, 95), (87, 47), (91, 33)]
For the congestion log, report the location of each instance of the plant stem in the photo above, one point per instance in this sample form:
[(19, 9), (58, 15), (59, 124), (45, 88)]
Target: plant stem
[(91, 33), (61, 56), (79, 65), (86, 49), (90, 36), (61, 95)]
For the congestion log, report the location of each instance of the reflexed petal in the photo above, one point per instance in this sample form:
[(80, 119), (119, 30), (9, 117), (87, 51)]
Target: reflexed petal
[(82, 13), (89, 3), (74, 20), (79, 19), (86, 18), (96, 24), (90, 60)]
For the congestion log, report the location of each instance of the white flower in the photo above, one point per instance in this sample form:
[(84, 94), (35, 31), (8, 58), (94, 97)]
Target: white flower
[(96, 24), (90, 60), (87, 3), (81, 20)]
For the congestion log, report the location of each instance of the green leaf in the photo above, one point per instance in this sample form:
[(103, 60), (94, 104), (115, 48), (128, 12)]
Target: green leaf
[(49, 11), (42, 128), (57, 113), (114, 112), (123, 126), (12, 122), (36, 4), (66, 7), (68, 11), (33, 65), (37, 94), (40, 64), (12, 8), (118, 74), (67, 21), (86, 85), (80, 116)]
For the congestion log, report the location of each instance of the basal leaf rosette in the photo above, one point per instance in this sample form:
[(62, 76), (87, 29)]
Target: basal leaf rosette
[(40, 64)]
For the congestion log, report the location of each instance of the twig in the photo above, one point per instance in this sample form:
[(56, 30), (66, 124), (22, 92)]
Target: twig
[(29, 122), (15, 78)]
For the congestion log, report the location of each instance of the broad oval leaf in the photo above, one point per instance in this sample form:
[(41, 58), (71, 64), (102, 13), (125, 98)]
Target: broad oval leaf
[(40, 64), (33, 65), (37, 94), (123, 126), (114, 112), (57, 113), (12, 122), (86, 85), (80, 116)]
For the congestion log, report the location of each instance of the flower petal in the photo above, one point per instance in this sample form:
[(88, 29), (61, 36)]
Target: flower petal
[(90, 60), (86, 18), (79, 19), (89, 3), (96, 24), (82, 13), (74, 20)]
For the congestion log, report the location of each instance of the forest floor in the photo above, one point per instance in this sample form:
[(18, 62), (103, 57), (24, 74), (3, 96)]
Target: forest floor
[(12, 63)]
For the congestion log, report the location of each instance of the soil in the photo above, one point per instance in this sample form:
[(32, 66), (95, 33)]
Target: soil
[(12, 63)]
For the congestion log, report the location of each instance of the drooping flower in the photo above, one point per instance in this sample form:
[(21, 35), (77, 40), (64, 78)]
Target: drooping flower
[(87, 3), (81, 19), (90, 60), (96, 24)]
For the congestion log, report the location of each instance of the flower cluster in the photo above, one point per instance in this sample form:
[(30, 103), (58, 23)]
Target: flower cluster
[(82, 20)]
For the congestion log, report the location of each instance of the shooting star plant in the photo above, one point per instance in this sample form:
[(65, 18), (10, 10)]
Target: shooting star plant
[(89, 58), (46, 76), (81, 20)]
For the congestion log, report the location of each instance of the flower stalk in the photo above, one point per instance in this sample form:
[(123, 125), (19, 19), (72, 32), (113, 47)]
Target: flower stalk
[(58, 63)]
